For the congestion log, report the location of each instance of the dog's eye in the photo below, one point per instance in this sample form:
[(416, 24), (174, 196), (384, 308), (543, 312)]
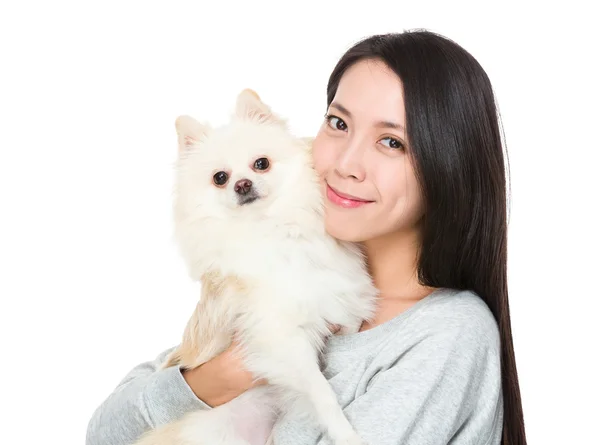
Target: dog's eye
[(220, 178), (261, 164)]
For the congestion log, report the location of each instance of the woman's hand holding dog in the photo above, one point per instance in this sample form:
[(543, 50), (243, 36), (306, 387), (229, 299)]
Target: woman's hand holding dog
[(224, 377), (220, 379)]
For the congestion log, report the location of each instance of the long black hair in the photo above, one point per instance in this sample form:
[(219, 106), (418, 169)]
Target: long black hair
[(455, 142)]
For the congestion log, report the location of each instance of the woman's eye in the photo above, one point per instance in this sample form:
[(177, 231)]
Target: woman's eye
[(336, 123), (392, 143)]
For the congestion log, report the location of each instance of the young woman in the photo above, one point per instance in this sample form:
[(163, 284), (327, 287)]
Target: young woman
[(412, 167)]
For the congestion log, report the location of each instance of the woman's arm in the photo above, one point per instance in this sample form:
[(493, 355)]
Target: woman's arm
[(148, 396)]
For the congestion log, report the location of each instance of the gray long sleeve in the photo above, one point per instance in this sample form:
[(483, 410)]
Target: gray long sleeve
[(430, 376), (145, 398)]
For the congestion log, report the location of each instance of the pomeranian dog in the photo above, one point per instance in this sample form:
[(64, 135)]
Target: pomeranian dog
[(248, 217)]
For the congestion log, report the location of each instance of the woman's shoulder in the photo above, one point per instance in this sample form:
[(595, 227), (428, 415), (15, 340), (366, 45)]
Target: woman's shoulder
[(457, 317), (461, 309), (446, 319)]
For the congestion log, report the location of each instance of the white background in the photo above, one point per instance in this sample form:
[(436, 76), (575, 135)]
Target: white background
[(91, 283)]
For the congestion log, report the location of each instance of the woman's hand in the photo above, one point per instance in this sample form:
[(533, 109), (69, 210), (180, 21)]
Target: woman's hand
[(224, 377), (220, 379)]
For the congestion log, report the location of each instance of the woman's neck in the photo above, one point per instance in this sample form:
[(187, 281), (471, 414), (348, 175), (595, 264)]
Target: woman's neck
[(392, 261)]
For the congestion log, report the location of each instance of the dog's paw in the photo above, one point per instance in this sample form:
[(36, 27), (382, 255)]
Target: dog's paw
[(351, 328)]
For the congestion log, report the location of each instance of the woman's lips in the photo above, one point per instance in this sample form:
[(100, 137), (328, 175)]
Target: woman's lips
[(344, 200)]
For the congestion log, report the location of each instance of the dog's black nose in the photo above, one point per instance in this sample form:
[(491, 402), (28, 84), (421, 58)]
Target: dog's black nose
[(242, 186)]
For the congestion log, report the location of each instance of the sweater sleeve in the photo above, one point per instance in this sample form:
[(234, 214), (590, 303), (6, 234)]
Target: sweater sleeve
[(443, 390), (146, 398)]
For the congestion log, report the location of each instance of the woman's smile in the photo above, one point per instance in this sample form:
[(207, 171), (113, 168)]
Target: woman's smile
[(343, 199)]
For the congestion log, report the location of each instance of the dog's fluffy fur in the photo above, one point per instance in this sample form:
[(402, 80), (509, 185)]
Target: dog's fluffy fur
[(269, 273)]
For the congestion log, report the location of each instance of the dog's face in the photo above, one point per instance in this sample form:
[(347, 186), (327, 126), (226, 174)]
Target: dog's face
[(239, 169)]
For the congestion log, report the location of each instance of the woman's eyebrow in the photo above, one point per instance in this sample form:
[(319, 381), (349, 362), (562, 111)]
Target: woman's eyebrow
[(342, 108), (388, 124), (384, 124)]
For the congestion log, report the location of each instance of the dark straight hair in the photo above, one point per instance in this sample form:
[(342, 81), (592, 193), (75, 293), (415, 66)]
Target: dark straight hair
[(455, 143)]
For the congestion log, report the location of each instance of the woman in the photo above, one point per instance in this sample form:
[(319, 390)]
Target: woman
[(412, 167)]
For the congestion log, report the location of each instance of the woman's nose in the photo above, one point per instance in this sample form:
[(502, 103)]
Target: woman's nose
[(349, 163)]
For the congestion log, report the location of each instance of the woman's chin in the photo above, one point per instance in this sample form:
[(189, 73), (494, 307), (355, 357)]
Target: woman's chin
[(343, 231)]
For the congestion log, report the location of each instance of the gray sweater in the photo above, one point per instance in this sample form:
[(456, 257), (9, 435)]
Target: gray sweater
[(431, 376)]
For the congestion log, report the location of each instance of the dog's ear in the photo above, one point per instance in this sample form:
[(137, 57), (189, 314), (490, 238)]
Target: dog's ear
[(308, 140), (189, 132), (250, 106)]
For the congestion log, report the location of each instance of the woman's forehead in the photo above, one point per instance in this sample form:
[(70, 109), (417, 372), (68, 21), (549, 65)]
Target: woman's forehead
[(370, 90)]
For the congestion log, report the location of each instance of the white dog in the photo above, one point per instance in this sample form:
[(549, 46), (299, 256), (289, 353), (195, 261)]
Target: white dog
[(249, 222)]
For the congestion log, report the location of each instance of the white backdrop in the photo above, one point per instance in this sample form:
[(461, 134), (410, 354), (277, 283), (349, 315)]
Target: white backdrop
[(91, 283)]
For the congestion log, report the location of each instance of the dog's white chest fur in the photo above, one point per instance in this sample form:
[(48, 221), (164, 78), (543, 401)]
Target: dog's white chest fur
[(301, 276)]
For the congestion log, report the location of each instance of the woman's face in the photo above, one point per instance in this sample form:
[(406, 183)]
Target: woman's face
[(360, 153)]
